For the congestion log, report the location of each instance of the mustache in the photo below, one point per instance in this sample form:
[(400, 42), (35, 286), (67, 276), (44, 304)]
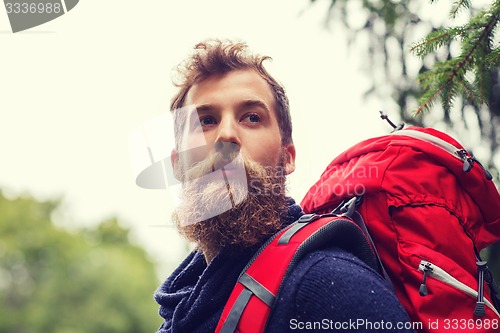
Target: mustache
[(216, 161)]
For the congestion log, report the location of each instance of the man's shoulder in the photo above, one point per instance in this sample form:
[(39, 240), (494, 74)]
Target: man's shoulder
[(333, 280), (333, 264), (334, 285)]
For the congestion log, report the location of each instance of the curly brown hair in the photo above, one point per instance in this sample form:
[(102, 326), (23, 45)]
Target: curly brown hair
[(214, 57)]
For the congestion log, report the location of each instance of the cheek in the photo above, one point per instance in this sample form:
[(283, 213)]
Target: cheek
[(266, 153), (193, 149), (194, 139)]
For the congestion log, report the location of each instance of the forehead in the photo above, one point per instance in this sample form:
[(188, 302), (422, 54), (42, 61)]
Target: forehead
[(227, 87)]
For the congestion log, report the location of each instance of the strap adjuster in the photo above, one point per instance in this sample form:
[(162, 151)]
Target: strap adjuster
[(306, 218), (299, 224)]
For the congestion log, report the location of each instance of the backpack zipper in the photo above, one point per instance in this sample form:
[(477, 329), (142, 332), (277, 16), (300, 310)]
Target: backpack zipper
[(429, 269), (463, 155)]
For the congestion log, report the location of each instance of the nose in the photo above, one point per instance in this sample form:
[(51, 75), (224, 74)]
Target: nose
[(227, 142), (228, 150), (227, 133)]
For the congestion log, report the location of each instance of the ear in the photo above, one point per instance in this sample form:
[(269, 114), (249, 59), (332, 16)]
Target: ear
[(174, 159), (289, 158)]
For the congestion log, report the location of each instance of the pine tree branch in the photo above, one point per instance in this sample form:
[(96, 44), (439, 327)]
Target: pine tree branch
[(461, 67), (434, 40), (447, 100), (425, 102), (457, 6), (493, 59), (468, 90)]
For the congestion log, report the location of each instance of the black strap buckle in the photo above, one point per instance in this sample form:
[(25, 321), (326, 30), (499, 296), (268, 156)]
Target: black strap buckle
[(347, 207), (299, 224)]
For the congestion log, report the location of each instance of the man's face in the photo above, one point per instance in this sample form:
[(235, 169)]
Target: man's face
[(238, 109), (232, 164)]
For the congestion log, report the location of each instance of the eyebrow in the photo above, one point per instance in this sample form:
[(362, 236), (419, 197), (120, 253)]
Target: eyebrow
[(205, 108), (249, 103), (254, 103)]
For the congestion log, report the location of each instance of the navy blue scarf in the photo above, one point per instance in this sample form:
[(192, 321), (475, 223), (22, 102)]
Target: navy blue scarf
[(193, 297)]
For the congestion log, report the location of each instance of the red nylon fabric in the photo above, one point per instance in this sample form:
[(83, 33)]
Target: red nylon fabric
[(418, 205), (269, 269)]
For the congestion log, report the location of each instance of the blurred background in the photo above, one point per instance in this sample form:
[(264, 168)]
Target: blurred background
[(82, 248)]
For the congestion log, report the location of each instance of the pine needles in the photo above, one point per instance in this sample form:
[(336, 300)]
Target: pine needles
[(468, 74)]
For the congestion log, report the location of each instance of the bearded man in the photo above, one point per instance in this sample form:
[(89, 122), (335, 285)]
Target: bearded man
[(233, 152)]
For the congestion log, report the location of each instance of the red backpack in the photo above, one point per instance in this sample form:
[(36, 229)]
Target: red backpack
[(251, 300), (429, 208)]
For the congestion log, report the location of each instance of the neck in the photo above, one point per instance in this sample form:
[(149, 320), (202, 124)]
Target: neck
[(209, 256)]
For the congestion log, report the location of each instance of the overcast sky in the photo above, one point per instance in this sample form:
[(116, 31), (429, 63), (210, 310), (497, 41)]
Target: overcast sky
[(72, 91)]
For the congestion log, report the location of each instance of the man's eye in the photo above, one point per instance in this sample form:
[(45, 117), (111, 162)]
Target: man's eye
[(252, 118), (207, 121)]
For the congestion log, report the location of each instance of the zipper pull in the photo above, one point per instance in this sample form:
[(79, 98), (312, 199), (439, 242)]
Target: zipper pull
[(469, 161), (466, 158), (394, 126), (423, 288), (487, 174), (479, 309)]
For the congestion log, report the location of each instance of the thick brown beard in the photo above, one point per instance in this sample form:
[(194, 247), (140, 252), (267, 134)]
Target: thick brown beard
[(249, 223)]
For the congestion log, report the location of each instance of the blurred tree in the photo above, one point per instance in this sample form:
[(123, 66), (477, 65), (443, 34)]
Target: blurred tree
[(468, 74), (56, 281), (412, 41), (409, 42)]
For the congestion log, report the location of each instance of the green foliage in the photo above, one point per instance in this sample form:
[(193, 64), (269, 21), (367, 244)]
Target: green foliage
[(493, 59), (449, 79), (55, 281), (458, 6), (424, 62), (435, 40)]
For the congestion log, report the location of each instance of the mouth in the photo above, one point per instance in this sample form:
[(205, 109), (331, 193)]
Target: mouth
[(218, 167), (231, 171), (221, 165), (228, 165)]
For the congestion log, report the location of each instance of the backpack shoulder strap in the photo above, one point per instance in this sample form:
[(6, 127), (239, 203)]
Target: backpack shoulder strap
[(252, 299)]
